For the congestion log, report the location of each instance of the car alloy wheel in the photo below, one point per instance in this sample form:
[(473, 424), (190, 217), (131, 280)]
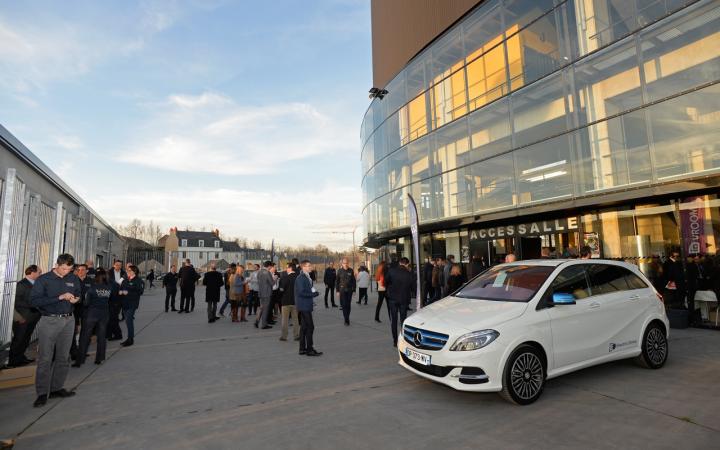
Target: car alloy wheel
[(654, 348), (524, 378)]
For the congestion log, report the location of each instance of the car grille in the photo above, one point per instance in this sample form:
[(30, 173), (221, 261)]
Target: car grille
[(429, 340), (438, 371)]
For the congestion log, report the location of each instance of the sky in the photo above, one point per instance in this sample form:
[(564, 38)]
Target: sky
[(238, 115)]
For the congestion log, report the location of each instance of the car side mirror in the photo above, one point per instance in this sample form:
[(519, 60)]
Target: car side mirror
[(562, 298)]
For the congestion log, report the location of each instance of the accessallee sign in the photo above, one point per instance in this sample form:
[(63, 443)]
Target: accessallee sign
[(526, 229)]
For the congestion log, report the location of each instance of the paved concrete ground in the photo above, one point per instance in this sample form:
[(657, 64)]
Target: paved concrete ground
[(189, 384)]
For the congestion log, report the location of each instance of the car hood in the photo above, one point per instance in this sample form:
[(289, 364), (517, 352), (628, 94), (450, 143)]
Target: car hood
[(453, 315)]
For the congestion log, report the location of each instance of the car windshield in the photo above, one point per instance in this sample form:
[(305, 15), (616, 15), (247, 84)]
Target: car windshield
[(517, 283)]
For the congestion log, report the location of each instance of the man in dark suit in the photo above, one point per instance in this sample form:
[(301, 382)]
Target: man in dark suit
[(399, 285), (26, 318), (674, 280), (188, 277), (213, 281), (169, 282), (116, 276), (304, 297)]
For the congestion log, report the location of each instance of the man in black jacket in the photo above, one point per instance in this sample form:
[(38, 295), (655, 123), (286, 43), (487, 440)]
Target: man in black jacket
[(399, 285), (287, 289), (345, 285), (188, 277), (116, 276), (169, 282), (213, 281), (81, 271), (26, 318), (674, 280), (329, 280)]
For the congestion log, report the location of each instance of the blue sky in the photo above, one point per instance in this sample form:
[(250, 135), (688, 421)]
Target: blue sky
[(244, 115)]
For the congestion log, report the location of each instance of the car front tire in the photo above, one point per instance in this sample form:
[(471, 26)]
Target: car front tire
[(524, 376), (654, 347)]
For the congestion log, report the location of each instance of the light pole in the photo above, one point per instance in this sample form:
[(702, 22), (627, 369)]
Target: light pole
[(344, 233)]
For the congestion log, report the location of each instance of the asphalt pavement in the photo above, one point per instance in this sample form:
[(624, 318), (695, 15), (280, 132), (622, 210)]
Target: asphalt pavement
[(187, 384)]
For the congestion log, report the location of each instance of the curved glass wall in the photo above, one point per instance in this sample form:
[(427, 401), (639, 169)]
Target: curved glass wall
[(531, 101)]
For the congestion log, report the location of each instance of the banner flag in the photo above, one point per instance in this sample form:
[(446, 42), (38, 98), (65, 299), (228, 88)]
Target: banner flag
[(414, 225)]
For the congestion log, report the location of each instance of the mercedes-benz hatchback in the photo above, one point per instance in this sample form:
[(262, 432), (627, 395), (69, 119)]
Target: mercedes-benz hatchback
[(517, 325)]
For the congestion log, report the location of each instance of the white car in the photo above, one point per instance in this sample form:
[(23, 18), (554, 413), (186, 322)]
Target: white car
[(517, 325)]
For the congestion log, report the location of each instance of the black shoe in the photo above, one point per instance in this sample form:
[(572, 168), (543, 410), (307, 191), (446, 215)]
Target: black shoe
[(211, 320), (127, 343), (218, 317), (377, 320), (347, 322), (166, 310), (334, 306), (180, 311), (77, 364), (313, 353), (256, 325), (302, 352), (28, 360), (173, 310), (266, 327), (358, 303), (61, 393), (97, 363), (114, 338), (40, 401)]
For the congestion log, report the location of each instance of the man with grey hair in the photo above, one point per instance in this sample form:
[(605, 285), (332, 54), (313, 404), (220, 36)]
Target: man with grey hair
[(213, 282)]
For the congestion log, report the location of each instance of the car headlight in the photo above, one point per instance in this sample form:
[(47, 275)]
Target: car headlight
[(474, 340)]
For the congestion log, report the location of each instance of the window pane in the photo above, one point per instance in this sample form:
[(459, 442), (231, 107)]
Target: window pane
[(398, 207), (449, 99), (682, 52), (417, 75), (416, 119), (381, 178), (514, 283), (634, 281), (539, 110), (399, 168), (493, 182), (379, 143), (453, 145), (422, 193), (483, 26), (572, 280), (602, 22), (544, 170), (614, 153), (459, 192), (419, 157), (490, 130), (607, 83), (396, 96), (522, 12), (607, 279), (447, 55), (391, 130), (487, 78), (539, 51), (686, 133)]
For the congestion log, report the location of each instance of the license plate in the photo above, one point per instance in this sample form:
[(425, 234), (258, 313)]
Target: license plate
[(418, 357)]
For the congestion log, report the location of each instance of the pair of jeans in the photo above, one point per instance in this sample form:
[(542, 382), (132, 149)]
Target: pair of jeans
[(396, 309), (22, 333), (226, 302), (54, 339), (287, 311), (130, 322), (212, 310), (170, 299), (363, 295), (330, 289), (307, 327), (94, 320), (381, 297), (113, 328), (345, 302)]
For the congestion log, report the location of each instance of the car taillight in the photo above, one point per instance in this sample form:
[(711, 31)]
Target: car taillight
[(660, 297)]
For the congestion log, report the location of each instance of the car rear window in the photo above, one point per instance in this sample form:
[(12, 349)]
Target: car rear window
[(517, 283)]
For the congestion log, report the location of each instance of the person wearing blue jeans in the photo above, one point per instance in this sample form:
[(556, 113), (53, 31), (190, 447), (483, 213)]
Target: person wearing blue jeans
[(130, 291), (226, 277)]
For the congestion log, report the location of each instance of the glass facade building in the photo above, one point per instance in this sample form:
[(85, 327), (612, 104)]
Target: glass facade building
[(600, 114)]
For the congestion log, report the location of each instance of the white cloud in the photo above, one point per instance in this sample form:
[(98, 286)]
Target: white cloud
[(69, 142), (213, 134), (292, 218)]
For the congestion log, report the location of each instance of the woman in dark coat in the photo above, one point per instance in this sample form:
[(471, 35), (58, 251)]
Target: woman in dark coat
[(130, 292), (456, 279)]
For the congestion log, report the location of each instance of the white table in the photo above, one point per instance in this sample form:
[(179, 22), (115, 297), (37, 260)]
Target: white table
[(704, 298)]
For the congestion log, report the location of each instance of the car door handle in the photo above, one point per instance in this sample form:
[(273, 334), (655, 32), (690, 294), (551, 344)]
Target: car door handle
[(634, 297), (594, 305)]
